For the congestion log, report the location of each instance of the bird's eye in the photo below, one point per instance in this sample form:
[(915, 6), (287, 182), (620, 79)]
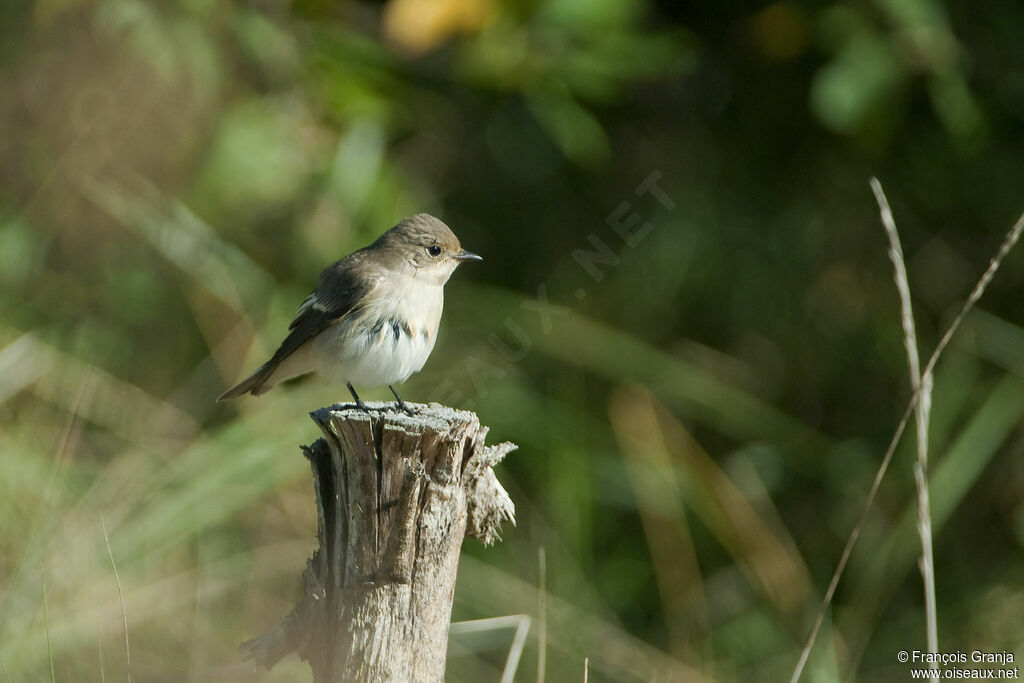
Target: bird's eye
[(433, 250)]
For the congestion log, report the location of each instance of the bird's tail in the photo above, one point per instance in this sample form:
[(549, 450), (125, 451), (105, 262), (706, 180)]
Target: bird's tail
[(253, 384)]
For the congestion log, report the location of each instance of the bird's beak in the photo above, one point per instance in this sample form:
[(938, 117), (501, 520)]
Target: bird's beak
[(467, 256)]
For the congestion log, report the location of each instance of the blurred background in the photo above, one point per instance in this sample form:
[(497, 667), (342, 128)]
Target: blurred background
[(686, 319)]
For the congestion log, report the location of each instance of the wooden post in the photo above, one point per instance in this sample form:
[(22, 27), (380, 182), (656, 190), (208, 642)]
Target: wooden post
[(395, 496)]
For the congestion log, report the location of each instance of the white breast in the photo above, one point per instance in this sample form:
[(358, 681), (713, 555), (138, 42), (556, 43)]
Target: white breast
[(386, 340)]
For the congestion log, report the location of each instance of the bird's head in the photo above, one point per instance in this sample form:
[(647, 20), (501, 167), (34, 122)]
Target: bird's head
[(426, 246)]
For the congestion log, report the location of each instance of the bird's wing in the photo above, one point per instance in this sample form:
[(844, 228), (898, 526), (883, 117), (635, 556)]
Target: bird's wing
[(341, 291)]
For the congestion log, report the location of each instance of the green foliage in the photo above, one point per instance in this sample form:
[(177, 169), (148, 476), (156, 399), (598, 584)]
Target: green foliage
[(700, 411)]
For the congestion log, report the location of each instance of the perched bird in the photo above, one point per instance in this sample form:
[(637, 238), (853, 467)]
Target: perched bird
[(373, 319)]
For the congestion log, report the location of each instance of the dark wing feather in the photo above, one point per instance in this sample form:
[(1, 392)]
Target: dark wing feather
[(341, 290)]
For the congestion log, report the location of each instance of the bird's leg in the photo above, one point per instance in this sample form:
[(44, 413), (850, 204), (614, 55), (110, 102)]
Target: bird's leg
[(401, 404), (359, 401)]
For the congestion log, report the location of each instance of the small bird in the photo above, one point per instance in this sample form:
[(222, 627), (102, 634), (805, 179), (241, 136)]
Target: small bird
[(373, 319)]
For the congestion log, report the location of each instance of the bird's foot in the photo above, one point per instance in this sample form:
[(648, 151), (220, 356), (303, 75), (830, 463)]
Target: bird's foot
[(401, 404), (359, 402)]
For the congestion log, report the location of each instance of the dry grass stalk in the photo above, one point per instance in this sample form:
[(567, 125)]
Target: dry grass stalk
[(923, 387), (1008, 243)]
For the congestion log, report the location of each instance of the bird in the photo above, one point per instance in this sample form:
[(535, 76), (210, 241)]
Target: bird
[(374, 316)]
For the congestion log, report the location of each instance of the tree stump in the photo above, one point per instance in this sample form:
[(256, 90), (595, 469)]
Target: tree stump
[(395, 496)]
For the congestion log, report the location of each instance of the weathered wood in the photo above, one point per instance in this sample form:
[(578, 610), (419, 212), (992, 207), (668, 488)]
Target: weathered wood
[(395, 496)]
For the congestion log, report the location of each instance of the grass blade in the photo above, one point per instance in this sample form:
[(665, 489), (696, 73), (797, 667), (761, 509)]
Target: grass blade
[(46, 618), (979, 289), (542, 617), (120, 597), (923, 387)]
